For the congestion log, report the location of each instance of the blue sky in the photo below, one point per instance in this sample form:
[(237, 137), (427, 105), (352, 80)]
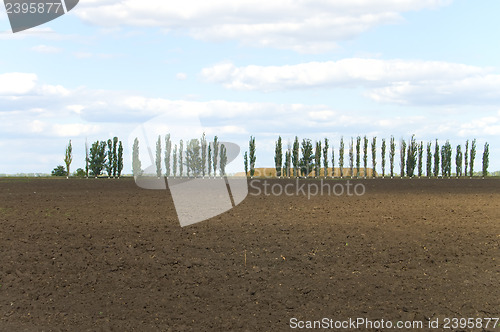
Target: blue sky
[(311, 68)]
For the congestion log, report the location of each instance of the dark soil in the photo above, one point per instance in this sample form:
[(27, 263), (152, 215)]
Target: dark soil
[(104, 255)]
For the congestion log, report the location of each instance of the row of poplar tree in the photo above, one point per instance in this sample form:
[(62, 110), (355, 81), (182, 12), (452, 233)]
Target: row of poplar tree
[(104, 156), (300, 159), (199, 158)]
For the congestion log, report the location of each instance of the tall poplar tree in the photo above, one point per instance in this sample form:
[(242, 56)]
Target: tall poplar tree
[(351, 157), (245, 160), (181, 158), (486, 159), (341, 157), (402, 153), (429, 160), (472, 157), (158, 157), (68, 158), (174, 161), (136, 162), (374, 155), (168, 152), (358, 155), (458, 161), (365, 156), (317, 159), (296, 157), (115, 156), (436, 159), (420, 159), (253, 157), (392, 155), (466, 157), (203, 155), (325, 158), (278, 157), (384, 147), (119, 161)]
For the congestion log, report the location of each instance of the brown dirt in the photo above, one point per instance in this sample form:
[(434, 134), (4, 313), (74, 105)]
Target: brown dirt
[(104, 255)]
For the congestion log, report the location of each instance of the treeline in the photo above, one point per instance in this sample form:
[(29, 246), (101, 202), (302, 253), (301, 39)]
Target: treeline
[(102, 156), (415, 158), (198, 158)]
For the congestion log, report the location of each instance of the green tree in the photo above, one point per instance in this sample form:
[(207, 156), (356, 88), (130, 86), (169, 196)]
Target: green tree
[(288, 160), (446, 159), (109, 158), (402, 152), (115, 156), (136, 162), (429, 160), (203, 154), (80, 173), (392, 155), (174, 161), (119, 167), (449, 153), (168, 152), (436, 159), (317, 159), (358, 155), (486, 159), (209, 160), (333, 163), (384, 147), (223, 160), (420, 159), (296, 157), (466, 158), (97, 158), (68, 158), (307, 160), (341, 157), (365, 156), (215, 155), (472, 156), (193, 158), (253, 157), (351, 157), (158, 158), (245, 159), (374, 155), (325, 158), (59, 171), (411, 161), (181, 158), (278, 157), (458, 161)]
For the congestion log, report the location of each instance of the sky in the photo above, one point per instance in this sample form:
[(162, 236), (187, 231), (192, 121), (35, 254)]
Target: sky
[(313, 69)]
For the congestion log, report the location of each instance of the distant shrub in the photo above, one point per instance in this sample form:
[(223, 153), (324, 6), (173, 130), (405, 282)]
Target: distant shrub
[(59, 171)]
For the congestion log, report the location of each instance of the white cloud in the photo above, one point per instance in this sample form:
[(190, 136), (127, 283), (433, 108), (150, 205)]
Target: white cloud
[(16, 83), (181, 76), (303, 26), (46, 49), (87, 55), (392, 81), (50, 118), (37, 32), (83, 55)]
